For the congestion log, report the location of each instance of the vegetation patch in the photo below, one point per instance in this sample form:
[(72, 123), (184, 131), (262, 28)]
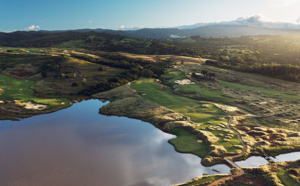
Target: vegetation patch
[(268, 92), (201, 181), (17, 99), (14, 89), (187, 142)]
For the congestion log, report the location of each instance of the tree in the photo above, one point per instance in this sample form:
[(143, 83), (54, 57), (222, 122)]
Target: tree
[(211, 75), (193, 75), (204, 72), (147, 73), (74, 84)]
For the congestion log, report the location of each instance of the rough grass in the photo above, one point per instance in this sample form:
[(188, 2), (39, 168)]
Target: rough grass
[(204, 92), (268, 92), (186, 142), (229, 146), (202, 181), (14, 89), (286, 179)]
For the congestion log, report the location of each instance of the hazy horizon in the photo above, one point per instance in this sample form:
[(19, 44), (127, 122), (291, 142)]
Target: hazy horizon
[(118, 14)]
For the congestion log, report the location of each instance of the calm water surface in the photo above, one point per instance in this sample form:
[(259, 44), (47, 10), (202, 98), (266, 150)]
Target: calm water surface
[(256, 161), (78, 146)]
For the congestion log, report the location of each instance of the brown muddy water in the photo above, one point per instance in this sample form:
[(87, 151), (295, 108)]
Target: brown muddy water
[(77, 146)]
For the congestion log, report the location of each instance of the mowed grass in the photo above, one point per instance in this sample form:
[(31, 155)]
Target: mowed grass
[(174, 75), (268, 92), (186, 142), (207, 93), (186, 106), (14, 89)]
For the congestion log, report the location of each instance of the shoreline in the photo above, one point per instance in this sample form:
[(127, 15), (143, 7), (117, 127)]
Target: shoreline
[(125, 101)]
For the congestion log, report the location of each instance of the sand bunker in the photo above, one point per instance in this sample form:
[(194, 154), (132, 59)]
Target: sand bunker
[(184, 82), (31, 106)]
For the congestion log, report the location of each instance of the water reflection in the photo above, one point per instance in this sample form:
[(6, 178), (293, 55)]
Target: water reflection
[(77, 146), (293, 156), (256, 161)]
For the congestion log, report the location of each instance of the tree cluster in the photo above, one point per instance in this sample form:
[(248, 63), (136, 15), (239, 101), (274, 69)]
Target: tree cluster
[(135, 68)]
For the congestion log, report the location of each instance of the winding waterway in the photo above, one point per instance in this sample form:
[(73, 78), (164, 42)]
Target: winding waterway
[(78, 146)]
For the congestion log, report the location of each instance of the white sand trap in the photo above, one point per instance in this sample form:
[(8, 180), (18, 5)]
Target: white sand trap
[(184, 82), (33, 106), (227, 107)]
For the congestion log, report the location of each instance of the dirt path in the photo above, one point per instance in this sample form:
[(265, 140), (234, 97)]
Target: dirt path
[(240, 171)]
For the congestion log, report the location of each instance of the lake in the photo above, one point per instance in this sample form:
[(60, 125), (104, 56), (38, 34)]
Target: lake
[(78, 146)]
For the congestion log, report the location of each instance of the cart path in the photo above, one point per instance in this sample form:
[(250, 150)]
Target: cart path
[(240, 171)]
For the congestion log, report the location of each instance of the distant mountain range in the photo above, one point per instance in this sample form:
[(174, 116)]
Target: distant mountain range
[(258, 21), (247, 26), (205, 31)]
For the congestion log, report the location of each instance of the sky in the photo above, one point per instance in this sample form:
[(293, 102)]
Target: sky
[(119, 14)]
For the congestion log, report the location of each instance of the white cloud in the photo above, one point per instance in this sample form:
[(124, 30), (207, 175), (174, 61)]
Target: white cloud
[(255, 20), (122, 27), (32, 27)]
